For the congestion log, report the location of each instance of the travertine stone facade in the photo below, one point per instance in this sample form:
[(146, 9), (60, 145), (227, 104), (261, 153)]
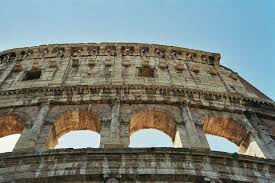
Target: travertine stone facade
[(161, 165), (116, 89)]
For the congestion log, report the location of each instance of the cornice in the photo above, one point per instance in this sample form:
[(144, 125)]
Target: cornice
[(111, 49)]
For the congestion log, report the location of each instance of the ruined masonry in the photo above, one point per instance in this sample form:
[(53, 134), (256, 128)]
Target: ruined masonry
[(116, 89)]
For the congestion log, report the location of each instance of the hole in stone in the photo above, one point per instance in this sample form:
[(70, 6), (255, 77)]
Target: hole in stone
[(79, 139), (12, 56), (22, 53), (217, 143), (7, 143), (150, 138), (32, 75), (75, 63), (146, 72)]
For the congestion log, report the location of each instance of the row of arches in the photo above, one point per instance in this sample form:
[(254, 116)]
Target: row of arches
[(144, 127), (140, 139)]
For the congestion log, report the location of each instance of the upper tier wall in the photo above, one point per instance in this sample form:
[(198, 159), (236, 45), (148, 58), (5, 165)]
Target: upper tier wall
[(120, 64)]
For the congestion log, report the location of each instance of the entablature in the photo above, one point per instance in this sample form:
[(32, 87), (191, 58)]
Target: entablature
[(129, 94)]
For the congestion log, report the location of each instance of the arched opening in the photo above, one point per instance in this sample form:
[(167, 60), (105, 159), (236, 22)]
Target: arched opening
[(217, 143), (152, 129), (8, 143), (226, 134), (150, 138), (10, 128), (79, 139), (75, 122)]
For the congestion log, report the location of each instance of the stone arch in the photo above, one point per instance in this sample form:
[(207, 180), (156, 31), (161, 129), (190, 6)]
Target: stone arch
[(101, 110), (153, 119), (235, 128), (227, 127), (73, 120), (171, 110), (11, 124)]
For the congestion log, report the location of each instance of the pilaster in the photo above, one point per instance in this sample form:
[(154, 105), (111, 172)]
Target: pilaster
[(6, 73), (29, 136), (260, 143), (195, 133), (46, 139), (181, 137), (116, 135), (105, 133)]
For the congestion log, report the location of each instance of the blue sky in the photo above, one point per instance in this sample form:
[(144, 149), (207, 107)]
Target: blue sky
[(243, 31)]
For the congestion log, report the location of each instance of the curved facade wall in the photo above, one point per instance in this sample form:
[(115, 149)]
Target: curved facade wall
[(116, 89)]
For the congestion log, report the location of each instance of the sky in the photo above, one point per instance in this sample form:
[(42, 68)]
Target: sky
[(242, 31)]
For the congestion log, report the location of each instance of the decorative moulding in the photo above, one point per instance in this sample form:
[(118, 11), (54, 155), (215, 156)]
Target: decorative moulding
[(179, 66), (108, 62), (126, 62), (91, 62), (17, 68), (196, 69), (213, 71), (145, 63), (162, 64), (35, 65)]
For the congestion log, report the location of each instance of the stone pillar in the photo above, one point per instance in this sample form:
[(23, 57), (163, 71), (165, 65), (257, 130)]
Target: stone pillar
[(260, 143), (105, 133), (115, 135), (196, 135), (115, 123), (28, 138), (202, 136), (124, 134), (47, 139)]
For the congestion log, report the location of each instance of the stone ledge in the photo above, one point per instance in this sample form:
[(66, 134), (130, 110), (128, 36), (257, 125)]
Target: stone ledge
[(134, 163), (155, 150), (174, 91)]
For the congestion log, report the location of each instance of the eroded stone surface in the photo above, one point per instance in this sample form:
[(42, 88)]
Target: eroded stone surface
[(10, 124), (134, 165)]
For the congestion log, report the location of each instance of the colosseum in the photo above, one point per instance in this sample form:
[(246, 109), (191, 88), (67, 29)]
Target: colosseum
[(116, 89)]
